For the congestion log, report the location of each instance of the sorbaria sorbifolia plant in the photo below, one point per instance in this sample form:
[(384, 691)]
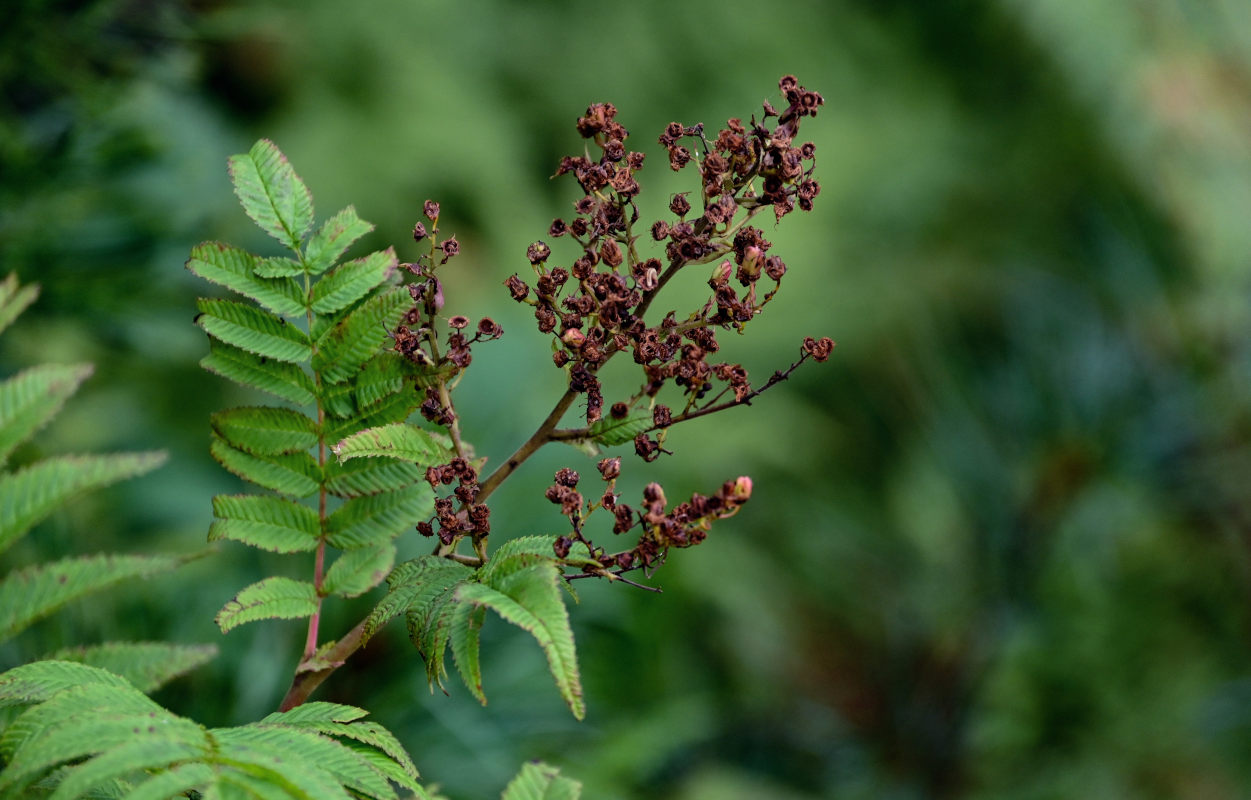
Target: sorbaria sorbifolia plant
[(357, 347)]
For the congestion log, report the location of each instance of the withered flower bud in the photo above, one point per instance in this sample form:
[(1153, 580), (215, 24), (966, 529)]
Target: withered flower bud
[(561, 546), (538, 252), (679, 157), (775, 267), (517, 287), (558, 228), (660, 230), (567, 477), (619, 410), (614, 150), (662, 417), (425, 529), (573, 337), (624, 518), (610, 253), (609, 468), (680, 205), (490, 328), (647, 449), (433, 476), (450, 248), (431, 210), (459, 321), (818, 349), (560, 358), (654, 493), (419, 232), (721, 274)]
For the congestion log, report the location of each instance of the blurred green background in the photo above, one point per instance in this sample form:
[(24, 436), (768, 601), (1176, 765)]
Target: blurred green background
[(999, 544)]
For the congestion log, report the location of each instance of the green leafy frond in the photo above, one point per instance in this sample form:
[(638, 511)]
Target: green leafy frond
[(295, 474), (235, 269), (430, 626), (531, 600), (378, 518), (252, 329), (466, 633), (278, 378), (284, 744), (32, 593), (39, 680), (347, 345), (400, 440), (278, 267), (31, 398), (30, 494), (357, 571), (394, 408), (539, 781), (388, 373), (270, 523), (147, 665), (333, 239), (339, 400), (412, 583), (364, 476), (266, 431), (517, 554), (272, 598), (14, 299), (352, 280), (272, 194)]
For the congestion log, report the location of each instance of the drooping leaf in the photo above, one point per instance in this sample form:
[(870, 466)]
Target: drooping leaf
[(430, 626), (254, 330), (32, 593), (539, 781), (414, 583), (363, 476), (345, 721), (357, 571), (272, 598), (352, 280), (270, 523), (31, 398), (279, 378), (378, 518), (147, 665), (14, 299), (294, 474), (266, 431), (531, 600), (272, 194), (466, 633), (235, 269), (30, 494), (345, 347), (397, 440), (517, 554), (333, 239)]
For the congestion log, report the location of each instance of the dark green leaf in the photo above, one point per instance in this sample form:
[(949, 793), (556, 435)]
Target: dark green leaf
[(272, 598), (295, 474), (378, 518), (266, 431), (352, 280), (253, 330), (345, 347), (280, 379), (235, 269), (270, 523), (363, 476)]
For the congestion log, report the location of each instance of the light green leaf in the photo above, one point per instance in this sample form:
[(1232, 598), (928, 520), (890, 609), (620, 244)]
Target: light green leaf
[(253, 330), (539, 781), (278, 267), (393, 409), (280, 379), (333, 239), (293, 474), (378, 518), (339, 400), (357, 571), (397, 440), (430, 627), (30, 494), (128, 757), (345, 347), (31, 398), (174, 783), (270, 523), (34, 592), (39, 680), (266, 431), (352, 280), (147, 665), (466, 633), (272, 598), (415, 583), (388, 373), (14, 299), (235, 269), (297, 746), (611, 432), (531, 600), (315, 712), (340, 720), (272, 194), (364, 476)]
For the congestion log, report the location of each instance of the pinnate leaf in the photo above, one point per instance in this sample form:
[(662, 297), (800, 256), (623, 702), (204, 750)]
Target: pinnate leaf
[(539, 781), (272, 598), (39, 680), (235, 269), (30, 494), (414, 584), (272, 194), (253, 330), (31, 398), (278, 267), (280, 379), (357, 571), (397, 440), (611, 432), (293, 474), (378, 518), (466, 633), (346, 346), (270, 523), (147, 665), (333, 239), (364, 476), (352, 280), (266, 431)]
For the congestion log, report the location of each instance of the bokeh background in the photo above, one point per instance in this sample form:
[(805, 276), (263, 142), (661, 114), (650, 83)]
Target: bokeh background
[(1000, 545)]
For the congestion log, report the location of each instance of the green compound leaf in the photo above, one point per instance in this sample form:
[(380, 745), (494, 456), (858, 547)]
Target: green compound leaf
[(294, 474), (352, 280), (357, 571), (147, 665), (272, 194), (280, 379), (378, 518), (611, 432), (466, 633), (266, 431), (345, 721), (272, 598), (251, 329), (414, 584), (539, 781), (347, 345), (235, 269), (333, 239), (270, 523), (34, 592), (364, 476), (31, 398), (286, 745), (279, 267), (39, 680), (430, 625), (30, 494), (14, 299), (531, 600), (397, 440)]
